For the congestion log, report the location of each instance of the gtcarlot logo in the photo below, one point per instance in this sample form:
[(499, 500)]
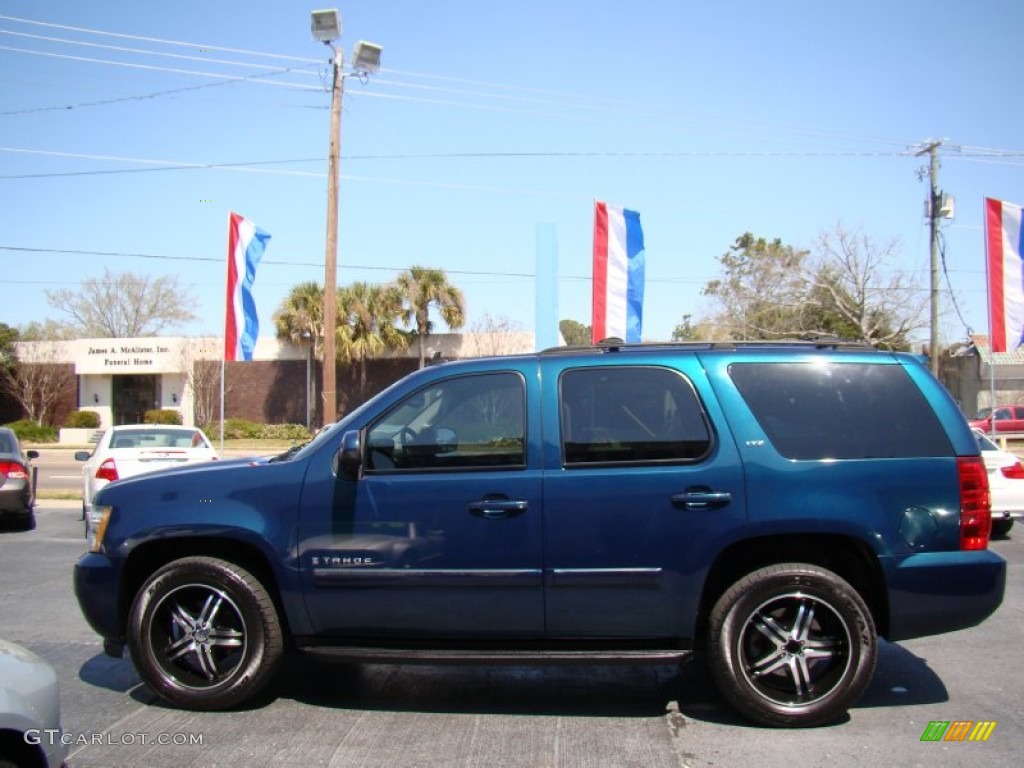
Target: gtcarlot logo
[(51, 736), (958, 730)]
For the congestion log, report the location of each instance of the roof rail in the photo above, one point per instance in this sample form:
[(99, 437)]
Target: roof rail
[(617, 345)]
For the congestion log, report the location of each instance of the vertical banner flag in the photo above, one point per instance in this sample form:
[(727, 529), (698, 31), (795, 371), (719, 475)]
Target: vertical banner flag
[(618, 299), (246, 243), (1005, 271)]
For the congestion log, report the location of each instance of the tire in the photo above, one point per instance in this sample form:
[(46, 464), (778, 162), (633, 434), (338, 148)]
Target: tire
[(1001, 527), (791, 645), (204, 634), (27, 521)]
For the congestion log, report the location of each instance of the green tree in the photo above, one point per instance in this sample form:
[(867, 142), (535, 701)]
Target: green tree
[(423, 289), (574, 333), (367, 317), (300, 318), (8, 354), (763, 293), (125, 304)]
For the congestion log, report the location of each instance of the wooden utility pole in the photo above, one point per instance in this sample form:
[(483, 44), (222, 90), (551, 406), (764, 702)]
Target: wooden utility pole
[(329, 386), (934, 214)]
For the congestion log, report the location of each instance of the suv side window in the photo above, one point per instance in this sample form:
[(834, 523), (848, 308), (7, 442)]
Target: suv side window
[(474, 421), (630, 414), (840, 411)]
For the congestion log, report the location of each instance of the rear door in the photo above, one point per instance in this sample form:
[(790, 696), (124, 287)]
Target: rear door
[(641, 490)]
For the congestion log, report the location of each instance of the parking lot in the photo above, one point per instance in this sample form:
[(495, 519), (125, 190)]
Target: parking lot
[(384, 715)]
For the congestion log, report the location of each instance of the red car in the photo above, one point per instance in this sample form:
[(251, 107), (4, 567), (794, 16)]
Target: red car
[(1009, 418)]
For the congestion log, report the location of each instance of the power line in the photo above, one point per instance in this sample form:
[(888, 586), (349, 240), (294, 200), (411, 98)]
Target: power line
[(145, 96), (159, 40), (154, 68)]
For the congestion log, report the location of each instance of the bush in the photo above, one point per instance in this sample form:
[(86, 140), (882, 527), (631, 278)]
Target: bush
[(82, 420), (30, 432), (162, 416), (243, 429)]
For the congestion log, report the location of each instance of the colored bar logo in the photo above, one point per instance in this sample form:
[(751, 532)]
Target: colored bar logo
[(958, 730)]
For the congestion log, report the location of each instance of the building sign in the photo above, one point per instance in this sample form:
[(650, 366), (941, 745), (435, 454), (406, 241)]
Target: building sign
[(129, 356)]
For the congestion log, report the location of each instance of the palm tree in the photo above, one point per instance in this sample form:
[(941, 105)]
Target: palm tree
[(422, 288), (367, 317), (300, 318)]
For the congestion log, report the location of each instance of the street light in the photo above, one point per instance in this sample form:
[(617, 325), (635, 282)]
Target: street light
[(326, 27)]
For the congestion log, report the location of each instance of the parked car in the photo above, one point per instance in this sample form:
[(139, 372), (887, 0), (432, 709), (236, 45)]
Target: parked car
[(132, 449), (30, 729), (1008, 418), (778, 505), (17, 496), (1005, 482)]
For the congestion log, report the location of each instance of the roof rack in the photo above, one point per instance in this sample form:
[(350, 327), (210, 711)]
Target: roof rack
[(617, 345)]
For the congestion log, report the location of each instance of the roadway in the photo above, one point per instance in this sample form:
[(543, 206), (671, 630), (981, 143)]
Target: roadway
[(464, 717)]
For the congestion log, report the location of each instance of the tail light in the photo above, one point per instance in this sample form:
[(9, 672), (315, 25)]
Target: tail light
[(107, 471), (13, 470), (1013, 471), (975, 503)]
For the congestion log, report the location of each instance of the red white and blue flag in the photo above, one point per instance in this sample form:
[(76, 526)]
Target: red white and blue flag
[(1003, 247), (618, 299), (246, 243)]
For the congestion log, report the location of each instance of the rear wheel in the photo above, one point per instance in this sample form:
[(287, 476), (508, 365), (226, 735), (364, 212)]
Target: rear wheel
[(204, 634), (1001, 527), (792, 645)]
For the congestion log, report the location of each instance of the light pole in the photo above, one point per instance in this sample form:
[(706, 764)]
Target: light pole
[(326, 26)]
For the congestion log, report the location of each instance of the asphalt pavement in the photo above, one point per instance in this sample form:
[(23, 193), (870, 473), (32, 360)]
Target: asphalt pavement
[(516, 717)]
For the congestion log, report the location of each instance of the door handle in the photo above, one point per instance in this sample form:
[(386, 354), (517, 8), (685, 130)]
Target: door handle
[(496, 509), (702, 498)]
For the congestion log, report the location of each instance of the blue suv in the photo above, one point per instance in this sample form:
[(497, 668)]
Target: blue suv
[(773, 507)]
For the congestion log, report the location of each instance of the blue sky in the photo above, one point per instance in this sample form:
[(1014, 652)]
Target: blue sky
[(710, 119)]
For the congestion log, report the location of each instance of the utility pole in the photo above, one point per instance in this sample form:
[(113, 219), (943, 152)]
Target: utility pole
[(934, 214), (330, 393)]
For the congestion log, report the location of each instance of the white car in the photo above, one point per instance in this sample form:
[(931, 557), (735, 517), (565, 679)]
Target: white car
[(30, 730), (132, 449), (1005, 483)]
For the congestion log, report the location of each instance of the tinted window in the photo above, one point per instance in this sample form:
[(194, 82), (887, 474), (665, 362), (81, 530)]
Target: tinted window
[(472, 421), (840, 410), (630, 414)]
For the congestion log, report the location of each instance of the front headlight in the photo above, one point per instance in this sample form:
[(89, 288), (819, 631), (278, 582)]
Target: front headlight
[(99, 516)]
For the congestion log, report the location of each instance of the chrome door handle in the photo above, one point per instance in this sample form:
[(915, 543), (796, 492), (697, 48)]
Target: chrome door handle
[(496, 509), (702, 499)]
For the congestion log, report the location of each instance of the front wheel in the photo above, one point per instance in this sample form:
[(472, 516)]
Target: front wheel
[(792, 645), (204, 634)]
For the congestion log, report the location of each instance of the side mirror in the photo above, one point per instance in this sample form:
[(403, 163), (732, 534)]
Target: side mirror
[(350, 456), (82, 455), (32, 454)]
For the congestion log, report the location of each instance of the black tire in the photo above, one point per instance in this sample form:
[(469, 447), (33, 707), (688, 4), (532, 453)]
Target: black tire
[(1001, 527), (204, 634), (792, 645)]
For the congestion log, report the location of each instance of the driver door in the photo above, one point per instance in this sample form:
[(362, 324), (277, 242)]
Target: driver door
[(441, 533)]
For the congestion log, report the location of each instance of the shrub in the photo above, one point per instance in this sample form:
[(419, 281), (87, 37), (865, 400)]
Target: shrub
[(30, 432), (243, 429), (284, 432), (83, 420), (162, 416)]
